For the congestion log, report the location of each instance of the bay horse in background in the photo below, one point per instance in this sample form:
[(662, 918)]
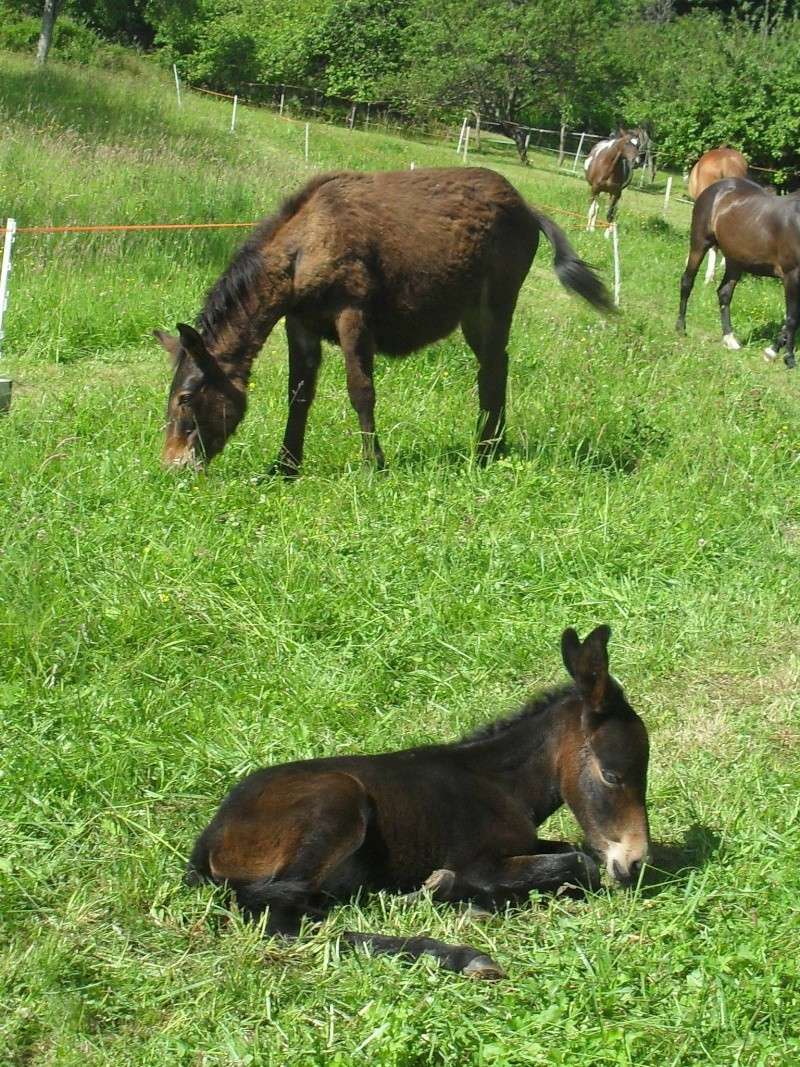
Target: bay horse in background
[(519, 135), (385, 262), (758, 233), (609, 169), (460, 819), (713, 166)]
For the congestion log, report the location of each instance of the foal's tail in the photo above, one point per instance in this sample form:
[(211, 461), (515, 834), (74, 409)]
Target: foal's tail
[(571, 270)]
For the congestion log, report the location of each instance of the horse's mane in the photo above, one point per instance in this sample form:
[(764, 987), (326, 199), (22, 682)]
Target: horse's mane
[(531, 709), (242, 272)]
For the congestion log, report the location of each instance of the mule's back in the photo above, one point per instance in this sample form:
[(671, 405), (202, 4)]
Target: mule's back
[(414, 247)]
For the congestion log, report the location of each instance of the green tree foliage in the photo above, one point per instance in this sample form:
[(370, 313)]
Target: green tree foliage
[(700, 72)]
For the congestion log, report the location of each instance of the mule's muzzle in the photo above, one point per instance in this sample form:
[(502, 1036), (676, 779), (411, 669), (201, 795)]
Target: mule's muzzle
[(181, 454)]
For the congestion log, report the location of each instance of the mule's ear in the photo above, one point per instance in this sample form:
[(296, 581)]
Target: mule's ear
[(170, 344), (196, 347), (587, 662), (570, 649)]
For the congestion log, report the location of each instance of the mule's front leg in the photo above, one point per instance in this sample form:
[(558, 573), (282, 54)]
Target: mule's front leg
[(305, 355), (359, 354), (515, 877)]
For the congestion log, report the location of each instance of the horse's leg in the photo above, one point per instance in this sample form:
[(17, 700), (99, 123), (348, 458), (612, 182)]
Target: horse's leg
[(486, 328), (305, 355), (791, 288), (516, 876), (725, 293), (696, 253), (711, 265), (591, 220), (611, 217), (359, 354)]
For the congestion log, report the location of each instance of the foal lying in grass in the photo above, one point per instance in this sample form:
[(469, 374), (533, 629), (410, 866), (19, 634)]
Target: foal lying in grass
[(298, 837)]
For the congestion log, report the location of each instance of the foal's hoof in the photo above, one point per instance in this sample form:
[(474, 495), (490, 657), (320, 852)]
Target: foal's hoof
[(440, 882), (730, 342), (485, 968), (770, 354)]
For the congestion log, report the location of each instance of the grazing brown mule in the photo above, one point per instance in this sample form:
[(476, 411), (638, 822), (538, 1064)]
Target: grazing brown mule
[(297, 837), (609, 168), (384, 262), (713, 166), (758, 233)]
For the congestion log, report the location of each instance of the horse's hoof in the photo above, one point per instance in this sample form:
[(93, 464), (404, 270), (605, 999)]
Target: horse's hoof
[(609, 228), (770, 354), (790, 362), (730, 342), (485, 968)]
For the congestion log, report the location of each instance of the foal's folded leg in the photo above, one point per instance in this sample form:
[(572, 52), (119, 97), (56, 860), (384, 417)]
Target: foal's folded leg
[(515, 876)]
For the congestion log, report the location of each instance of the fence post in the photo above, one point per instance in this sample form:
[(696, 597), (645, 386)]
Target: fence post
[(667, 191), (306, 144), (461, 136), (366, 119), (283, 99), (578, 153), (466, 142), (615, 243), (5, 270), (233, 116), (177, 84)]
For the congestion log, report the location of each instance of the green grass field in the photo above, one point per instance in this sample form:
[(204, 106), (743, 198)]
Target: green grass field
[(162, 635)]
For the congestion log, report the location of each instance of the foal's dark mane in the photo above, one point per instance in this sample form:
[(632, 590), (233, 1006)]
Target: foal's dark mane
[(531, 709), (241, 276)]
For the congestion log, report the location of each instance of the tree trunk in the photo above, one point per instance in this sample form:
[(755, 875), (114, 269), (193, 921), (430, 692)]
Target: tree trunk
[(46, 36)]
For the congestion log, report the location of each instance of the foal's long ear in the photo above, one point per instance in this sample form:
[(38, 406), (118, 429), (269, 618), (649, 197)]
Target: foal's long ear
[(196, 347), (170, 344), (587, 663)]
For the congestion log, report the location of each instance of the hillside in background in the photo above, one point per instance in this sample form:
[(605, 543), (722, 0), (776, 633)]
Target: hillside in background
[(698, 73)]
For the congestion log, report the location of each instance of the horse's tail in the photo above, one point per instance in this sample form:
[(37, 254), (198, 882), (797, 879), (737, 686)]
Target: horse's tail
[(570, 269)]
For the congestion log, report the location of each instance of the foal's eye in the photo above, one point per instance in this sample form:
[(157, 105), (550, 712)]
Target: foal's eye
[(610, 778), (185, 398)]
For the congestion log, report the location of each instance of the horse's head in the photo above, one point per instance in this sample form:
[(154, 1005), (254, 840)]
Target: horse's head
[(204, 405), (604, 770)]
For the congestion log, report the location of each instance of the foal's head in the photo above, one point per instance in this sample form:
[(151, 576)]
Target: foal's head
[(204, 405), (604, 762)]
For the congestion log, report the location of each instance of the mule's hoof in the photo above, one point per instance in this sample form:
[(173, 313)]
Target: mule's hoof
[(730, 342), (441, 881), (485, 968), (770, 354)]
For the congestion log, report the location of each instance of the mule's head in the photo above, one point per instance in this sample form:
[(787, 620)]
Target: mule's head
[(604, 775), (204, 406)]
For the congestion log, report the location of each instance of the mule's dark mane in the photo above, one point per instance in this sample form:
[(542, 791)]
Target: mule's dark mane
[(241, 276), (530, 709)]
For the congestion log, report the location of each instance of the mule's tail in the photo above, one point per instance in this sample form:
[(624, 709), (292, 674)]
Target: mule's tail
[(571, 270)]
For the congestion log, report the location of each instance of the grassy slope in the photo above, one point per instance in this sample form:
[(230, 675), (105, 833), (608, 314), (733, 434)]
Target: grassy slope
[(160, 636)]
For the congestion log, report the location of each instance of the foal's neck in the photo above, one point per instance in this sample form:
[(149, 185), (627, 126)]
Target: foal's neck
[(242, 309), (524, 754)]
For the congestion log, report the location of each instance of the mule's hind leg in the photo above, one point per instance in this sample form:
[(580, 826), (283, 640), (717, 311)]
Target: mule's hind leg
[(288, 848), (725, 293), (305, 355), (359, 354), (486, 328)]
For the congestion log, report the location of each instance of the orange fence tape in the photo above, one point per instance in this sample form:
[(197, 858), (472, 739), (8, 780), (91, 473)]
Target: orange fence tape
[(111, 228)]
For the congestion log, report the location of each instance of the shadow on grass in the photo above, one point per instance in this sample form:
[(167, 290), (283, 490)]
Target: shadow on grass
[(671, 863)]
